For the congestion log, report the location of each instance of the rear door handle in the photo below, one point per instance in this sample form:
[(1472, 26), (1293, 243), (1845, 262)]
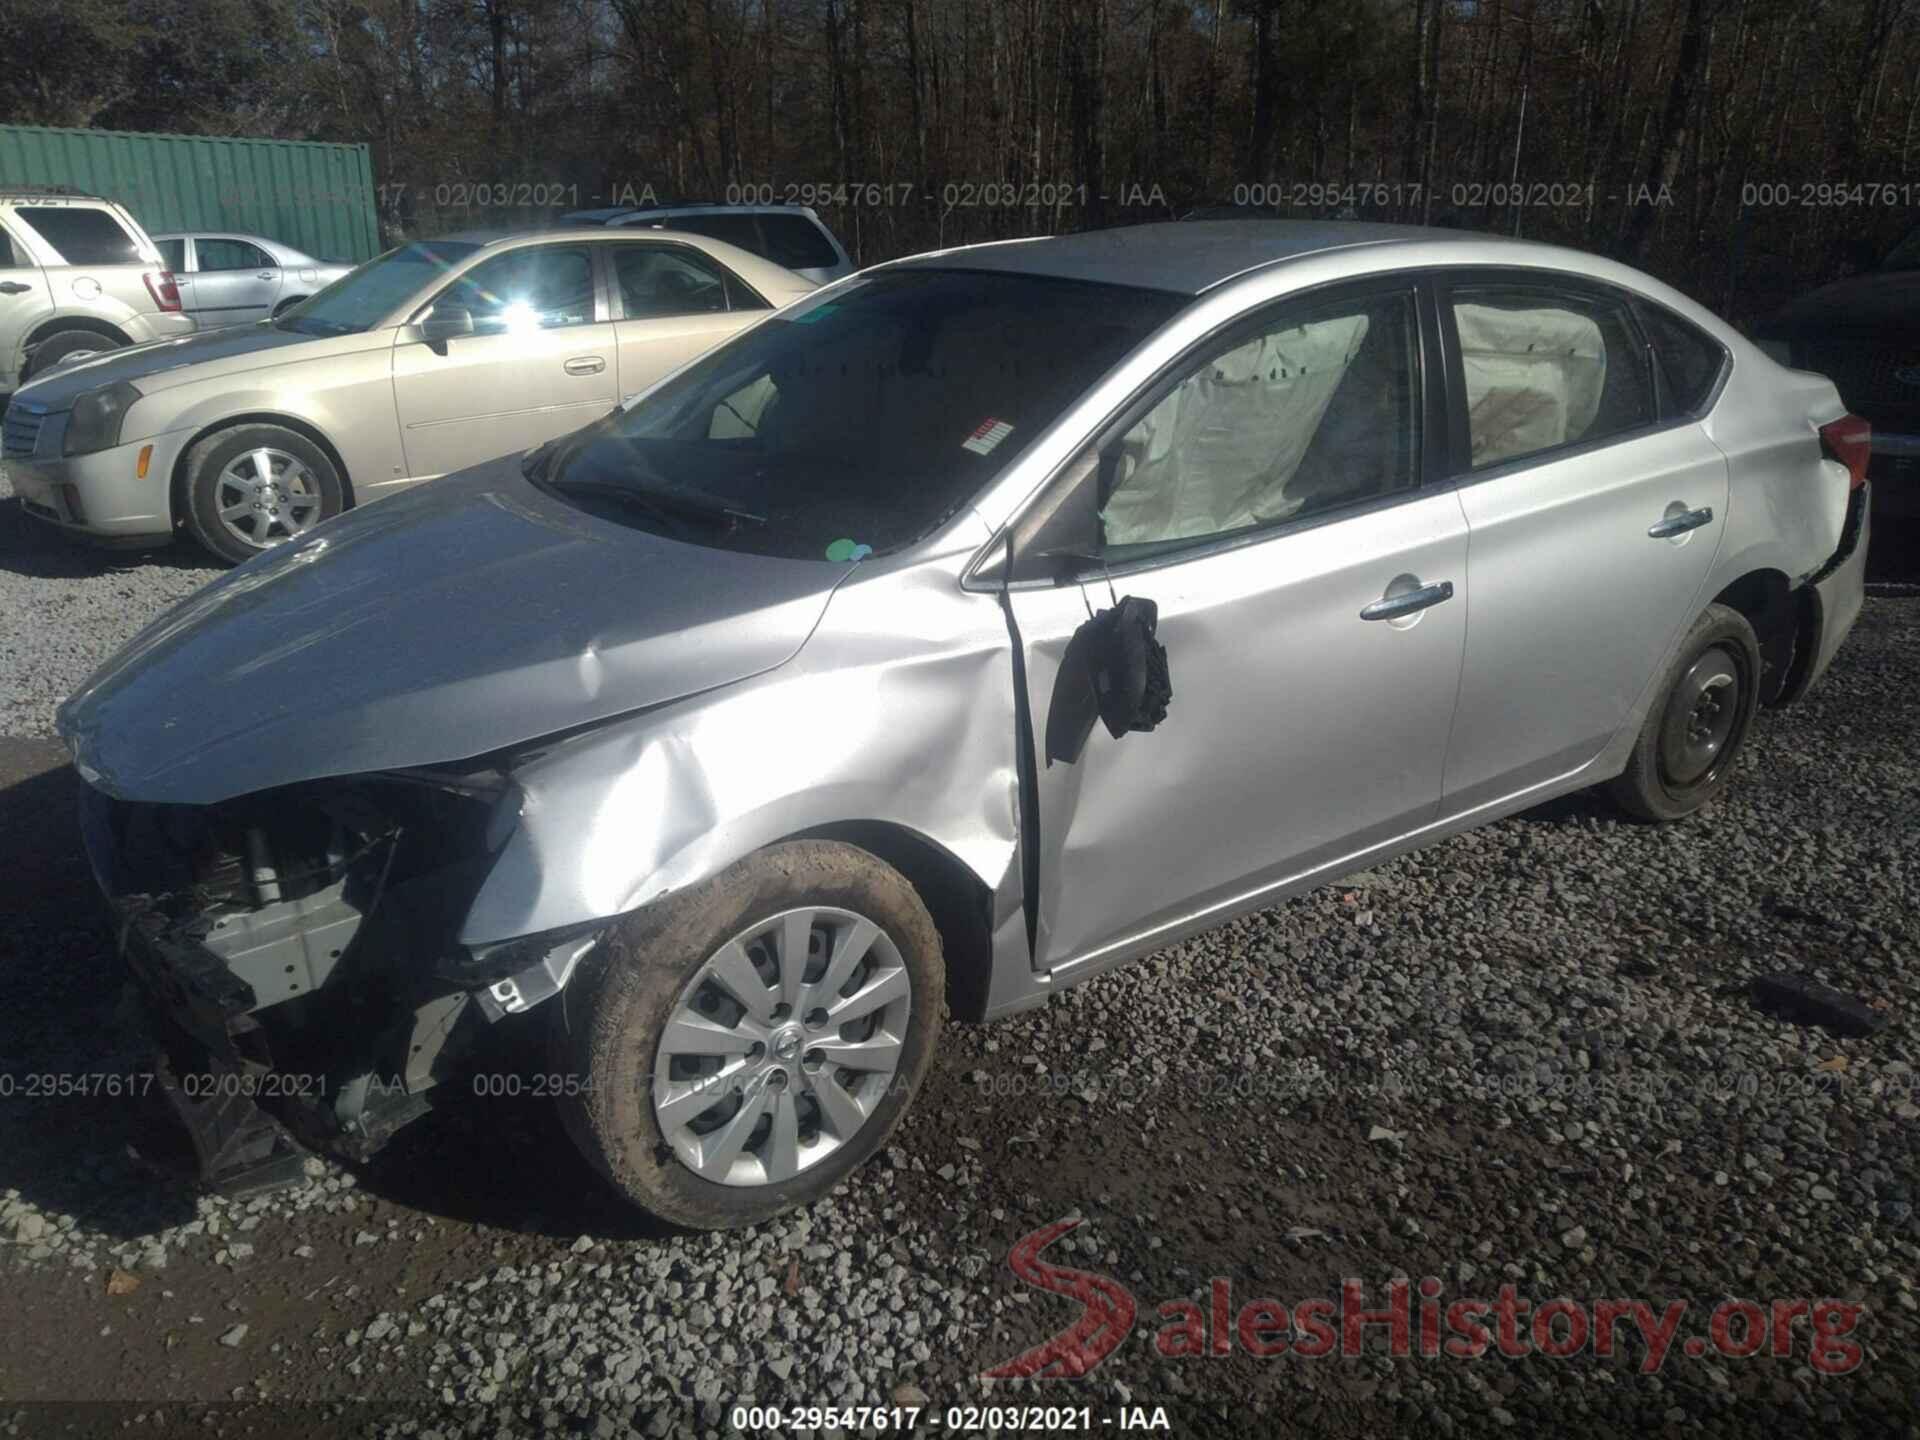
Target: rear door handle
[(269, 274), (1679, 524), (13, 287), (585, 365), (1392, 607)]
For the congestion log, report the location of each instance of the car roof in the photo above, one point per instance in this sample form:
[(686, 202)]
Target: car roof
[(494, 235), (689, 207), (48, 192), (1192, 256)]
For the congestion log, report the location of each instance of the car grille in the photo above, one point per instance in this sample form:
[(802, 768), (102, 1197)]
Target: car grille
[(21, 431), (1869, 375)]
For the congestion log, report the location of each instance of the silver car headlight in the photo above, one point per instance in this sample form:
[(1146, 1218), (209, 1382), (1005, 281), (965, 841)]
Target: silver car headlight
[(97, 418)]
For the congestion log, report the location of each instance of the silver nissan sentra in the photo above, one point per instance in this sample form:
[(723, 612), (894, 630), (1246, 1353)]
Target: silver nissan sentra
[(974, 625)]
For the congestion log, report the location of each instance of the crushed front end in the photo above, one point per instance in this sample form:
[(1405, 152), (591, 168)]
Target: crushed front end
[(295, 953)]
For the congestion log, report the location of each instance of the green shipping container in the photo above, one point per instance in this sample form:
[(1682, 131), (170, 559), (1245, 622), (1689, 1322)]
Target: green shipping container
[(314, 197)]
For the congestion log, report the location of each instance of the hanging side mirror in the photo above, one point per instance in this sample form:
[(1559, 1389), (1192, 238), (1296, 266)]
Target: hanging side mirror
[(1114, 671)]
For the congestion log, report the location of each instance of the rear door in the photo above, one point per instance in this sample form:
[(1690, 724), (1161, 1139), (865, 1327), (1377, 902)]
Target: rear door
[(1594, 523), (540, 363), (24, 302), (234, 281), (670, 303), (1271, 498)]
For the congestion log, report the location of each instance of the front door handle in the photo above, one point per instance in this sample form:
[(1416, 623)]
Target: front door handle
[(1679, 524), (585, 365), (1392, 607), (13, 287)]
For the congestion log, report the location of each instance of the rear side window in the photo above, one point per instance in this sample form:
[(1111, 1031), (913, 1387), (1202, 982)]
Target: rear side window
[(82, 236), (796, 242), (1546, 369), (657, 281), (1689, 359), (733, 229), (9, 259), (173, 252)]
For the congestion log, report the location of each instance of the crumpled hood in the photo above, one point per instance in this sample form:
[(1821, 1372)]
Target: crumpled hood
[(461, 617), (59, 388), (1875, 300)]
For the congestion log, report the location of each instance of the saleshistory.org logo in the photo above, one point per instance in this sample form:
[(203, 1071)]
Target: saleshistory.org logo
[(1462, 1329)]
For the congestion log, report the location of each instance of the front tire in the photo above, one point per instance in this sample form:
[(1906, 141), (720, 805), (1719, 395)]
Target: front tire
[(739, 1048), (1686, 752), (256, 486)]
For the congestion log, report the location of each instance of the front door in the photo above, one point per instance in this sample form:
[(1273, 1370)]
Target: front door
[(1593, 521), (233, 282), (541, 362), (1311, 597)]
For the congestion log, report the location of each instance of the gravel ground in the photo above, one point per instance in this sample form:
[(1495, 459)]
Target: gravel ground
[(1527, 1056), (65, 607)]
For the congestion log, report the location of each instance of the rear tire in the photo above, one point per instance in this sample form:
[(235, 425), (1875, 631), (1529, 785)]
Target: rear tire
[(236, 511), (610, 1034), (1691, 741), (64, 343)]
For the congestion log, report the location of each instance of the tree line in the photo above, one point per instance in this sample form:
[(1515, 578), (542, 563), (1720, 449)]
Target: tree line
[(1740, 149)]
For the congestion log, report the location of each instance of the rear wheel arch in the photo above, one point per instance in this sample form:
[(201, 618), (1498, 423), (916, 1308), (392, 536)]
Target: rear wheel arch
[(178, 484), (1766, 598), (64, 325), (76, 322)]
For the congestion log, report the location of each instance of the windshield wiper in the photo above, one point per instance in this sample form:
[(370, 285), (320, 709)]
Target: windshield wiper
[(666, 505)]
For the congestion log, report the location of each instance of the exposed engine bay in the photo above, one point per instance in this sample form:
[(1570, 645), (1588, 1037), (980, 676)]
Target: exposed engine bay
[(295, 952)]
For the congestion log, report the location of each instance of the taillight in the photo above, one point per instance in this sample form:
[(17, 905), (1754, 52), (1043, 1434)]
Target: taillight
[(160, 285), (1850, 441)]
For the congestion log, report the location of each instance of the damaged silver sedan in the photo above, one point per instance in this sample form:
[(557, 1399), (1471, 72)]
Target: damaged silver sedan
[(972, 626)]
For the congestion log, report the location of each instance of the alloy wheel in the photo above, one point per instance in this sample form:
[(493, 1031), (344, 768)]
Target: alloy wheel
[(266, 496)]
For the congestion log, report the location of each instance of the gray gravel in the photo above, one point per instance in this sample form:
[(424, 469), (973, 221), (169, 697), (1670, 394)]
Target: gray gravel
[(1526, 1055), (64, 608)]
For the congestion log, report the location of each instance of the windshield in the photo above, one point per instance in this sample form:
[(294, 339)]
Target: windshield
[(858, 421), (1905, 255), (362, 298)]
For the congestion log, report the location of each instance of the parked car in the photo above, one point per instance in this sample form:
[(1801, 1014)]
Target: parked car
[(432, 358), (757, 721), (1863, 332), (792, 236), (229, 279), (77, 276)]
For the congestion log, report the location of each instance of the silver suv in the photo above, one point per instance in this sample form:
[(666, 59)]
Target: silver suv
[(792, 236), (77, 276)]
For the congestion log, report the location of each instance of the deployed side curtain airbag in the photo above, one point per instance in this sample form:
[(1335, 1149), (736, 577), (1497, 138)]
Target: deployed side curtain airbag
[(1217, 453), (1534, 378)]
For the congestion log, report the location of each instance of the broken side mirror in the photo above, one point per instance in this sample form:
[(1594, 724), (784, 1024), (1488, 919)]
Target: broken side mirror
[(1114, 671)]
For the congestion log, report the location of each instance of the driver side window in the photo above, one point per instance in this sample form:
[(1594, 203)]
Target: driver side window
[(526, 290), (1314, 412)]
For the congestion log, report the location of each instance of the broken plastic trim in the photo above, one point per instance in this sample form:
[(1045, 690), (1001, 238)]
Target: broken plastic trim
[(519, 974)]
